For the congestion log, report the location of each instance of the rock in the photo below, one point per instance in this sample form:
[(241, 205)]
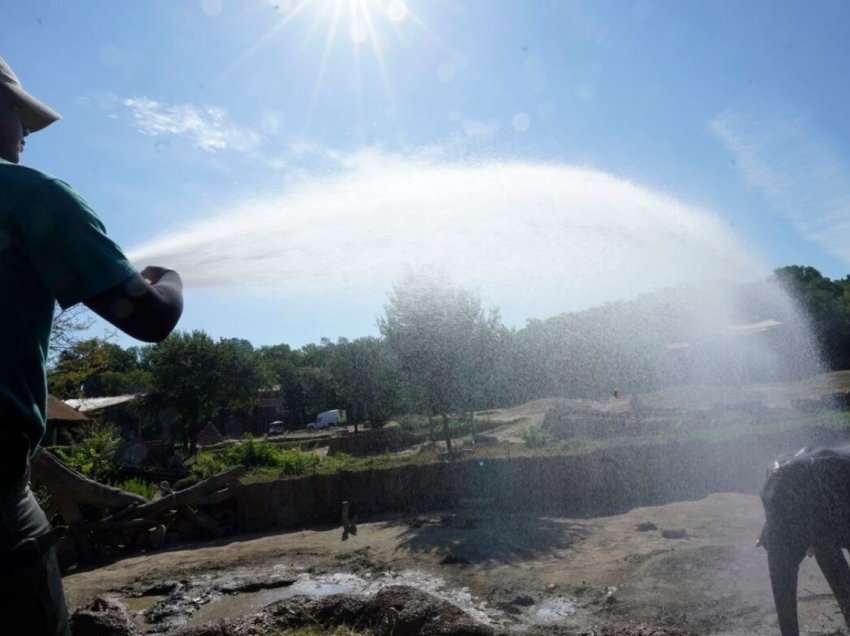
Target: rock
[(453, 559), (678, 533), (523, 601), (646, 526), (103, 617)]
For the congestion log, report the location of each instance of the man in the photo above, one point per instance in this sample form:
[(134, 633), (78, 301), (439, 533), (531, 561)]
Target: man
[(53, 248)]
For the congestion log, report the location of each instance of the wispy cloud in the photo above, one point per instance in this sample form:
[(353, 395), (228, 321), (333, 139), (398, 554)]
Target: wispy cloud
[(206, 127), (798, 171)]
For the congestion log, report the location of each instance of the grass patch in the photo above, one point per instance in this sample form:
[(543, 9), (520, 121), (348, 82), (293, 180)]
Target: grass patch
[(137, 486), (265, 460)]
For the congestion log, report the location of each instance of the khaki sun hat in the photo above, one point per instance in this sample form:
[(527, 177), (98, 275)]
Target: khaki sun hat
[(34, 114)]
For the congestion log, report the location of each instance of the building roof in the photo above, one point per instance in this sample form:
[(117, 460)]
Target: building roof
[(87, 405), (59, 411)]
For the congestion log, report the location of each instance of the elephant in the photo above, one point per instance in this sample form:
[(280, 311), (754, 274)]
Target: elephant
[(806, 499)]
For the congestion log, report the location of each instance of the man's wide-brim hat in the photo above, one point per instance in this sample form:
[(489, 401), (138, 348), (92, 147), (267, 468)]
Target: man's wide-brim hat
[(34, 114)]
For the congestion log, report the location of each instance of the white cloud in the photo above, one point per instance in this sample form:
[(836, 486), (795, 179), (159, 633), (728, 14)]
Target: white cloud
[(799, 172), (206, 127)]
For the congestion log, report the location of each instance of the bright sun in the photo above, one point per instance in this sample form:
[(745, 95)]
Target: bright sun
[(365, 25)]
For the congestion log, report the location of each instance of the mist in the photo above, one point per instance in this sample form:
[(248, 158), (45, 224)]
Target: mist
[(534, 239)]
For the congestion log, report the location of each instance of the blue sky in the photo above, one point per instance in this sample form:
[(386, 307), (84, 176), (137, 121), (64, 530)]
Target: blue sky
[(292, 159)]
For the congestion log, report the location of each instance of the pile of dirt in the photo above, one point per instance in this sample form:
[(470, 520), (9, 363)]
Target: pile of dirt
[(394, 611)]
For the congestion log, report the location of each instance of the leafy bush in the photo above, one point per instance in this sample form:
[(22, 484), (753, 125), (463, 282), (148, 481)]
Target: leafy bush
[(206, 465), (533, 437), (256, 455), (251, 454), (298, 462), (412, 422), (94, 452), (138, 486)]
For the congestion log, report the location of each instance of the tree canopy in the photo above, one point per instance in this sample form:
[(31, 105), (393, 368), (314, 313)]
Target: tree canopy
[(440, 353), (197, 378), (445, 343)]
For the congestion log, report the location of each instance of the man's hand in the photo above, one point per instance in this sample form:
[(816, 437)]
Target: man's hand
[(152, 273)]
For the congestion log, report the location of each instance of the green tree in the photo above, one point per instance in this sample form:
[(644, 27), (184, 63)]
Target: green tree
[(366, 372), (76, 365), (96, 368), (282, 365), (827, 304), (439, 333), (197, 379)]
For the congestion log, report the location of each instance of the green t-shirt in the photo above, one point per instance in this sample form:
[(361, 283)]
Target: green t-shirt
[(53, 248)]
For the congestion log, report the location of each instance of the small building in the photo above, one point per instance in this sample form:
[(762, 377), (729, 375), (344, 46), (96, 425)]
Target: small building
[(60, 418), (115, 409)]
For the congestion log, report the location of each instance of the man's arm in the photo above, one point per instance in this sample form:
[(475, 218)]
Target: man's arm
[(145, 306)]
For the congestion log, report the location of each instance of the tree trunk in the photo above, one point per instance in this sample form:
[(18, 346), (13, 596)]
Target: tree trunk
[(63, 481), (446, 434), (68, 489)]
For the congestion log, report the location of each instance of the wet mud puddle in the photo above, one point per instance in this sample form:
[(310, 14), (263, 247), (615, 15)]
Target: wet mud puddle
[(204, 598)]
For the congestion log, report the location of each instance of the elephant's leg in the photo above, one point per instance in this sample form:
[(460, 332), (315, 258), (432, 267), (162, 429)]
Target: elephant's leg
[(834, 566), (784, 566)]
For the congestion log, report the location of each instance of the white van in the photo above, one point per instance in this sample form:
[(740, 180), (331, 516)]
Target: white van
[(328, 418)]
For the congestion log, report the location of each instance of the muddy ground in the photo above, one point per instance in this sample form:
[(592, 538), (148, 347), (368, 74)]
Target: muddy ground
[(691, 566), (688, 565)]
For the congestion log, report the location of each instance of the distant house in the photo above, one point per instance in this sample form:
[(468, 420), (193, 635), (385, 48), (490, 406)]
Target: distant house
[(61, 417), (115, 409)]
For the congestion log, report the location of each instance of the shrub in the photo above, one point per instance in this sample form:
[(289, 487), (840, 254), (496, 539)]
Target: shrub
[(533, 437), (138, 486), (257, 455), (298, 462), (412, 422), (94, 452), (251, 453), (206, 465)]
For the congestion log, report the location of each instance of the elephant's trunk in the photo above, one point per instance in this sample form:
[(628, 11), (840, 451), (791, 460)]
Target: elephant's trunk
[(783, 579)]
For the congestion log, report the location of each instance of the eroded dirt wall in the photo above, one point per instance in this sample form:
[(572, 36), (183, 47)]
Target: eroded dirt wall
[(595, 483)]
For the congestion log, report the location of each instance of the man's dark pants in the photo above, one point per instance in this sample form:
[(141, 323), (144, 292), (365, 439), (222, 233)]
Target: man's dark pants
[(31, 595)]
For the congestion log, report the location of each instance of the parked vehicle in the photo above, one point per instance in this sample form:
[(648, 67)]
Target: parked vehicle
[(328, 418), (276, 427)]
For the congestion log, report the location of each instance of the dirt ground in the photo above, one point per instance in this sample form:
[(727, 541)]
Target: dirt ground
[(689, 565)]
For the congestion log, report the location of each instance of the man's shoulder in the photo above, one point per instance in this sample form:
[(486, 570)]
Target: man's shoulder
[(23, 186), (15, 172)]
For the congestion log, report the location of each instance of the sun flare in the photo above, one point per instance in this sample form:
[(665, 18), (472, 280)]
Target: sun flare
[(356, 33)]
